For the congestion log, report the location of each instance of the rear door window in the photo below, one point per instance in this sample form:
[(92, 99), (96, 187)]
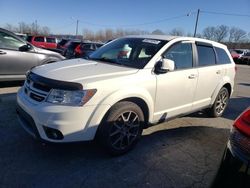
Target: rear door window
[(86, 46), (51, 40), (222, 56), (206, 55), (39, 39)]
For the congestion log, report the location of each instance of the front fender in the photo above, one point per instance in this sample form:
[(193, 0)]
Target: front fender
[(117, 96)]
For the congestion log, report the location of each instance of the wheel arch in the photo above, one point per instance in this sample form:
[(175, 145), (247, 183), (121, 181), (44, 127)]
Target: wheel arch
[(142, 104), (228, 87), (225, 83)]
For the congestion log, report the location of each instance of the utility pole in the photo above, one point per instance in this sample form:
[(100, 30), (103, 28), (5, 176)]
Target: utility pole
[(36, 26), (77, 21), (196, 24)]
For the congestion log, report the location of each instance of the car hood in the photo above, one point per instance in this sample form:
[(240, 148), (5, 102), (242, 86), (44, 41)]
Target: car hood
[(48, 52), (82, 71)]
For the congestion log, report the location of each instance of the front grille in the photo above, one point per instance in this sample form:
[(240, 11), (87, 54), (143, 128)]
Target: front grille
[(240, 142), (37, 88), (35, 91), (42, 87), (36, 97)]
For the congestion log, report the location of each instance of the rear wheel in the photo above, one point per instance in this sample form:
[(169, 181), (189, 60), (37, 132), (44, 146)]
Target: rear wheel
[(121, 128), (220, 103)]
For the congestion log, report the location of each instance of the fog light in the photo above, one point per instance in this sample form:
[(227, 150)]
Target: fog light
[(53, 133)]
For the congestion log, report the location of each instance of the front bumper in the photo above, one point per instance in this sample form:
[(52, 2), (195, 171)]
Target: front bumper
[(72, 123)]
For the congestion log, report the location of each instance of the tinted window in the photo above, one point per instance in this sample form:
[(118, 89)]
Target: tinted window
[(62, 42), (86, 46), (39, 39), (222, 56), (239, 51), (8, 41), (98, 45), (73, 45), (29, 38), (181, 54), (51, 40), (206, 55)]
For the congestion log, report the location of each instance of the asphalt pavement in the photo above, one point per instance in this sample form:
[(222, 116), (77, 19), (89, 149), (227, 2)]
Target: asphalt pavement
[(184, 152)]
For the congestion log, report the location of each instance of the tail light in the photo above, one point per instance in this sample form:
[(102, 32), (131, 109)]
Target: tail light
[(242, 123), (78, 49)]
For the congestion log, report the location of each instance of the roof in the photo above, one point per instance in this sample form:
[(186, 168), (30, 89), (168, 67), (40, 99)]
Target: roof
[(159, 37), (178, 38)]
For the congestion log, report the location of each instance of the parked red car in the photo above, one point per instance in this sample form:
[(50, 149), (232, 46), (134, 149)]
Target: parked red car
[(43, 41), (234, 170)]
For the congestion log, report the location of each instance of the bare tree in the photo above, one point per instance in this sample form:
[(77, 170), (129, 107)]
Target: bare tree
[(11, 28), (218, 33), (221, 33), (33, 28), (237, 35), (109, 34), (158, 32), (176, 32), (88, 34), (209, 33), (24, 28), (44, 30), (100, 36)]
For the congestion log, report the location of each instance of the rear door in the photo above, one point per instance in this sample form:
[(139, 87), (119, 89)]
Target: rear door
[(210, 74), (50, 42), (176, 89)]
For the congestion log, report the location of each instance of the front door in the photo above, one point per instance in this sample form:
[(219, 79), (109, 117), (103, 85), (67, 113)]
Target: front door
[(176, 89), (13, 61)]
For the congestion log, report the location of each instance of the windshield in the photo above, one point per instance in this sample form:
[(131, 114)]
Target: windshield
[(239, 51), (131, 52)]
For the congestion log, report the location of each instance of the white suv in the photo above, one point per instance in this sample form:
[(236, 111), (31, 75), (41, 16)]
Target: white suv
[(123, 87)]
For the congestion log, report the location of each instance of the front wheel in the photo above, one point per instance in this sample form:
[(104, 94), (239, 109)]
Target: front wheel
[(121, 128), (220, 103)]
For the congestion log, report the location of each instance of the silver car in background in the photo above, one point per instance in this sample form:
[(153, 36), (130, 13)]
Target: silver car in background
[(18, 56)]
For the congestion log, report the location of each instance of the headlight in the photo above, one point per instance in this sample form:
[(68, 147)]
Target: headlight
[(71, 98)]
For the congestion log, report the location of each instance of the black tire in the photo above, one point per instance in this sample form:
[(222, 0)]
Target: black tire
[(121, 127), (220, 103)]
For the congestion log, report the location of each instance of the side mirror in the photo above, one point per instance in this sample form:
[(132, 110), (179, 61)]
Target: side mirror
[(24, 48), (164, 66)]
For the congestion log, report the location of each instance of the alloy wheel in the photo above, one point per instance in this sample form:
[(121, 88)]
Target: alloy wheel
[(125, 130)]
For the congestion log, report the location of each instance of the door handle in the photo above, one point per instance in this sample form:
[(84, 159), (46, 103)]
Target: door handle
[(2, 53), (192, 76), (218, 71)]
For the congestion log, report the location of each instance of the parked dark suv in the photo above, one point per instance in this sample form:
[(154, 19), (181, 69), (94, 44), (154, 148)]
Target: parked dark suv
[(18, 56), (69, 49), (86, 48)]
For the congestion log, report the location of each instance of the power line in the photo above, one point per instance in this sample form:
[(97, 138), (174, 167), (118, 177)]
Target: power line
[(225, 14), (63, 26), (139, 24)]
